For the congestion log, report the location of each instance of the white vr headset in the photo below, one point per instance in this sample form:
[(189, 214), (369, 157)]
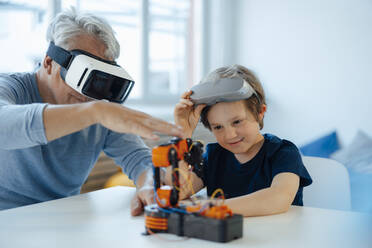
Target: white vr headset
[(222, 90), (92, 76)]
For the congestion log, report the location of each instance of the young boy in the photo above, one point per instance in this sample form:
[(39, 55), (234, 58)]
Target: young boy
[(259, 174)]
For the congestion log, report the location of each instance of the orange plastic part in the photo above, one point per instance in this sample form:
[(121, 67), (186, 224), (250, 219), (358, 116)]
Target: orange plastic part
[(194, 208), (182, 148), (156, 223), (160, 153), (218, 212), (163, 197)]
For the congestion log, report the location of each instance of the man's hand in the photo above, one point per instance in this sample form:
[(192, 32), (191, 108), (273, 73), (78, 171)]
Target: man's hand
[(143, 197), (124, 120), (61, 120), (145, 193)]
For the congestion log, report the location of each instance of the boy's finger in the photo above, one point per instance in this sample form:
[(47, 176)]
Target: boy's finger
[(187, 102), (187, 94), (199, 108)]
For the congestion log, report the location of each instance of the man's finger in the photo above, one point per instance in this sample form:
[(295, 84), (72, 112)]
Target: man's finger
[(164, 127), (144, 132), (147, 128), (136, 206)]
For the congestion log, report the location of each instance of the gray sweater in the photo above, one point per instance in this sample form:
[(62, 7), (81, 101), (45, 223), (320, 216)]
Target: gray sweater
[(34, 170)]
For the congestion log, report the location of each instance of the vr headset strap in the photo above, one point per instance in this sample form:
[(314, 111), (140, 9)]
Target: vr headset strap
[(59, 55)]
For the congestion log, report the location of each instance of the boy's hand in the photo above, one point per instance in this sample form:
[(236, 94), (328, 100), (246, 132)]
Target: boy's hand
[(190, 183), (186, 115)]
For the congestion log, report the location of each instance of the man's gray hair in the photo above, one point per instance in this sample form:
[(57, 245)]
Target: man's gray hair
[(70, 23)]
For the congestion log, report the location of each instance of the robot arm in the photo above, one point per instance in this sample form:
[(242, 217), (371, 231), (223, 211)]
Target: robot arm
[(170, 154)]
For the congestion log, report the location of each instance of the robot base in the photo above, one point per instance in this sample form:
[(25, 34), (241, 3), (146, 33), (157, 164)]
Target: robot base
[(193, 225)]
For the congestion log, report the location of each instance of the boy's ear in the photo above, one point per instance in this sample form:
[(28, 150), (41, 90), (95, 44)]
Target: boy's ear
[(263, 111)]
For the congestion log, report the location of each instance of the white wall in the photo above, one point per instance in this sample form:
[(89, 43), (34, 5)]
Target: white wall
[(314, 59)]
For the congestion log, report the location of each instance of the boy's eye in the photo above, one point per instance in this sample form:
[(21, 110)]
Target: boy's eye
[(237, 122), (217, 127)]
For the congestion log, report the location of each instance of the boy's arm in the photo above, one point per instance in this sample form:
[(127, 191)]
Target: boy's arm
[(273, 200), (186, 115), (190, 183)]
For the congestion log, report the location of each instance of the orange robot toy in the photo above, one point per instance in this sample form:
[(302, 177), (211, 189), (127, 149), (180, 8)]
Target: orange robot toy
[(210, 221)]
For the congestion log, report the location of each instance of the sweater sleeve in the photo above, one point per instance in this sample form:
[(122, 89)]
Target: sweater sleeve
[(21, 125), (129, 152)]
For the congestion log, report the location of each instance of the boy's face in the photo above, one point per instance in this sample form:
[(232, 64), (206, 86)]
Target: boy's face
[(234, 126)]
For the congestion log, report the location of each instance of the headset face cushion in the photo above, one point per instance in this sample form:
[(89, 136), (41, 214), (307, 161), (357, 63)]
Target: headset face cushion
[(222, 90)]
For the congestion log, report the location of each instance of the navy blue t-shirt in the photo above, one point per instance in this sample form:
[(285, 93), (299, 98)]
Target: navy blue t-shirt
[(223, 170)]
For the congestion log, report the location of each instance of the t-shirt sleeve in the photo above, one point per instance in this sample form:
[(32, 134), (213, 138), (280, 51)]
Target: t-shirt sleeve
[(205, 164), (210, 151), (288, 159)]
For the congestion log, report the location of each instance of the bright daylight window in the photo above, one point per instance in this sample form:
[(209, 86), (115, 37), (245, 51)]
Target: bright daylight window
[(154, 36), (22, 34)]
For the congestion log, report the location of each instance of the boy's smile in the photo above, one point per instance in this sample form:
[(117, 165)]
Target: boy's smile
[(236, 142), (236, 129)]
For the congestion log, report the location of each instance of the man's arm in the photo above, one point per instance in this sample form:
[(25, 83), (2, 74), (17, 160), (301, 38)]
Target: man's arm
[(61, 120), (28, 125), (273, 200)]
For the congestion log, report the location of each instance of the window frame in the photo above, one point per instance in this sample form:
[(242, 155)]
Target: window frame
[(144, 24)]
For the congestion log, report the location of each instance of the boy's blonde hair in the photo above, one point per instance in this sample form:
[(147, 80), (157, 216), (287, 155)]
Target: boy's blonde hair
[(254, 103)]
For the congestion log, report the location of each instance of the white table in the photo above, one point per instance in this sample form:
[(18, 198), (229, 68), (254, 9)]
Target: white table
[(102, 219)]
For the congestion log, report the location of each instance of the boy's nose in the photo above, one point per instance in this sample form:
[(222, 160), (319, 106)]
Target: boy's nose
[(230, 133)]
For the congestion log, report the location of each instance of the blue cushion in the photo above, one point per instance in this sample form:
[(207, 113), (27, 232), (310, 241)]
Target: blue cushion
[(322, 147), (357, 158)]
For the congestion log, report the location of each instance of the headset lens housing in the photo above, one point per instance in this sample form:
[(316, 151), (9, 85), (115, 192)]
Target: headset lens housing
[(101, 85)]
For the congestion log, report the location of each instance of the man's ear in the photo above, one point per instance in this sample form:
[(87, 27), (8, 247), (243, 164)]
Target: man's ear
[(47, 64), (263, 111)]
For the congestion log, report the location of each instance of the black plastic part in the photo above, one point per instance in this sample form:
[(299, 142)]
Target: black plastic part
[(172, 157), (175, 224), (156, 177), (197, 226), (195, 158), (211, 229)]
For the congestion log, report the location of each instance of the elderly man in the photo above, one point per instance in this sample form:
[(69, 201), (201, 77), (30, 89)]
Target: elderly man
[(53, 128)]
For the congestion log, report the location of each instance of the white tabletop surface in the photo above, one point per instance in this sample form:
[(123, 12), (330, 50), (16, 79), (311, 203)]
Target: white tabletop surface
[(102, 219)]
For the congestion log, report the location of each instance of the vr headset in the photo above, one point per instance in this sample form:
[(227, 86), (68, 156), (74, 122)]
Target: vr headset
[(222, 90), (92, 76)]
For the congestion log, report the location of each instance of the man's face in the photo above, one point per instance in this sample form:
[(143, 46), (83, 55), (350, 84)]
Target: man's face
[(61, 93)]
